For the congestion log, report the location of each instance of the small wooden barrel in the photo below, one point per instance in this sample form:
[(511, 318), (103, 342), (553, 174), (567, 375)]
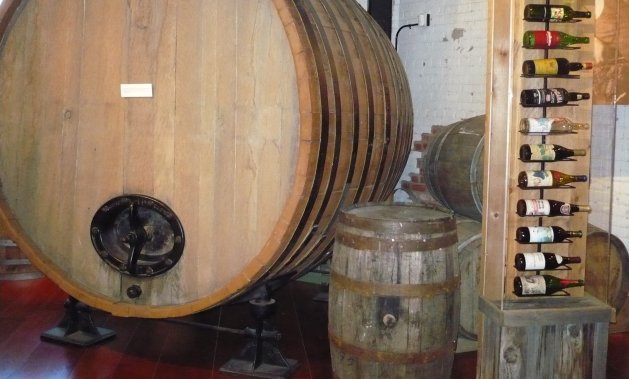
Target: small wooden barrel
[(453, 166), (394, 293), (254, 121)]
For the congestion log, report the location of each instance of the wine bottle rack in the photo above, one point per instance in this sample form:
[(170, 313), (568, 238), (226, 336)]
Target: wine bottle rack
[(502, 159), (533, 330)]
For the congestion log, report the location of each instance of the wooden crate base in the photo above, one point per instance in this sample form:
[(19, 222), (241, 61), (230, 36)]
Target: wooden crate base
[(559, 337)]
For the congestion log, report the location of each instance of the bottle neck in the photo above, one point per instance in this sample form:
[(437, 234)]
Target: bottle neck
[(579, 178), (582, 14), (566, 283), (583, 40), (571, 260), (581, 208), (578, 96), (579, 126), (574, 233), (576, 66)]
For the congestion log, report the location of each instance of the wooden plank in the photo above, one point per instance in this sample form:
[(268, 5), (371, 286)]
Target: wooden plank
[(497, 170)]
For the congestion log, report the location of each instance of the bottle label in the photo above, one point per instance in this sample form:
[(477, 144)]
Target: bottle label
[(539, 179), (542, 152), (546, 66), (541, 39), (540, 125), (534, 261), (552, 39), (533, 285), (556, 14), (565, 209), (537, 207), (541, 234), (537, 261), (547, 96)]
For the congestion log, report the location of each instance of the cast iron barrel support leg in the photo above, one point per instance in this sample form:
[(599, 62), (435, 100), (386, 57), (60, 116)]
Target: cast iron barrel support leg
[(77, 326)]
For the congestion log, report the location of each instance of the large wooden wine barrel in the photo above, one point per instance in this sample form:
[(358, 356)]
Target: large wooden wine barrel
[(394, 293), (247, 123), (453, 166)]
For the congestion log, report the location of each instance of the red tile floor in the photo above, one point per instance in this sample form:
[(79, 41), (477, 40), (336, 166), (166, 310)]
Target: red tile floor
[(145, 348)]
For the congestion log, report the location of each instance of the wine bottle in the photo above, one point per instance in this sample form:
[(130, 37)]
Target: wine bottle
[(544, 234), (542, 261), (541, 152), (547, 178), (553, 13), (550, 208), (552, 125), (543, 97), (552, 66), (551, 39), (542, 285)]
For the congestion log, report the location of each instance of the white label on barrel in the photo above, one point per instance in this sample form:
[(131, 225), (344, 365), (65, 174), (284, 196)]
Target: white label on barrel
[(136, 90), (533, 285)]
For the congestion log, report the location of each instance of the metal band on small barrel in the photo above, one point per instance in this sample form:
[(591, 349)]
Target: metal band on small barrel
[(422, 290), (394, 245), (390, 357)]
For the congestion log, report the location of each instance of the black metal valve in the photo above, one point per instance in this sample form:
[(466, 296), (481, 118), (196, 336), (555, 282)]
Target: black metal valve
[(137, 235)]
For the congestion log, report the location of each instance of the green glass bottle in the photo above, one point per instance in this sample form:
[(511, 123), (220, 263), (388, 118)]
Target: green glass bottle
[(550, 125), (542, 261), (548, 207), (545, 234), (547, 178), (553, 13), (550, 39), (552, 66), (540, 152), (546, 97), (542, 285)]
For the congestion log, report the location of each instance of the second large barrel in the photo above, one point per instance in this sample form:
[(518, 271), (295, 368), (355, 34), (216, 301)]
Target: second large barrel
[(452, 166)]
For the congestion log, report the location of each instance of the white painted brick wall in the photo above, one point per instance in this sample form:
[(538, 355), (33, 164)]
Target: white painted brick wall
[(444, 62)]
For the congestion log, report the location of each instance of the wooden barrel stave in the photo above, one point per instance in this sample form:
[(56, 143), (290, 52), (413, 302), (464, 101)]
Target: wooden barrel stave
[(325, 55), (363, 145), (341, 132)]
